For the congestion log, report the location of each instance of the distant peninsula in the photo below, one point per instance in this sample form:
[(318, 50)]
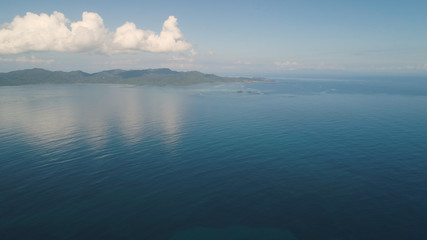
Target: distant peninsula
[(156, 77)]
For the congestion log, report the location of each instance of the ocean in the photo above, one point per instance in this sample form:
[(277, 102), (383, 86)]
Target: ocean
[(294, 159)]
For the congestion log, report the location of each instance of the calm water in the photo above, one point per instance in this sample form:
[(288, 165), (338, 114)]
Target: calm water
[(295, 159)]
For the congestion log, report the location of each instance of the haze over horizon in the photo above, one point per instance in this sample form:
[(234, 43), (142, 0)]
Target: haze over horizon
[(260, 38)]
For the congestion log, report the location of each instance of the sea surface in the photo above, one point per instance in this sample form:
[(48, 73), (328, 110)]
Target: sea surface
[(294, 159)]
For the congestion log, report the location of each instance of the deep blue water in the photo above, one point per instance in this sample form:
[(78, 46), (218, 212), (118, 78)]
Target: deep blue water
[(331, 159)]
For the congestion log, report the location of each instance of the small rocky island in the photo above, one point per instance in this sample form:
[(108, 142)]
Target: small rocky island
[(156, 77)]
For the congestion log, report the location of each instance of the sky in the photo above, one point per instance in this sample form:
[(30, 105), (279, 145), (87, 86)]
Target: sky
[(232, 38)]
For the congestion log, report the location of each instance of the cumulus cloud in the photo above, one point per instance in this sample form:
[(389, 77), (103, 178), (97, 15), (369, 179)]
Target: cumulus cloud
[(55, 32), (31, 59)]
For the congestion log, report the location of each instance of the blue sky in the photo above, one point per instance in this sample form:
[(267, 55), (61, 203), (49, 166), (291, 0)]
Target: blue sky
[(251, 38)]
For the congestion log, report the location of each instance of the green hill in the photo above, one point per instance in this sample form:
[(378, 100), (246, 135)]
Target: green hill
[(158, 77)]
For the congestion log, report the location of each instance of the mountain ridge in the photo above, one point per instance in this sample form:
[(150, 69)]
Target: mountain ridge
[(157, 77)]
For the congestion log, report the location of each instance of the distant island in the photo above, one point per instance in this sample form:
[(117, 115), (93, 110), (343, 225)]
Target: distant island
[(156, 77)]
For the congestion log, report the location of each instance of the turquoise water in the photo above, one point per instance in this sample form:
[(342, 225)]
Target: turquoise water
[(294, 159)]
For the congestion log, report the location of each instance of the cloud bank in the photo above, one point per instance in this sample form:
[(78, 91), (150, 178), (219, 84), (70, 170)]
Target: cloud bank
[(31, 59), (57, 33)]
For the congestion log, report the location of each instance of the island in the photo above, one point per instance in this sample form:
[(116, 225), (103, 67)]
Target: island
[(156, 77)]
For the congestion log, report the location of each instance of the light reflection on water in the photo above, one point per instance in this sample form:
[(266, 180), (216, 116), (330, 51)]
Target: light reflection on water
[(52, 120)]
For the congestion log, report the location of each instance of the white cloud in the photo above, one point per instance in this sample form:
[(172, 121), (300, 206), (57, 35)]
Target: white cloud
[(240, 62), (192, 53), (183, 66), (211, 53), (31, 59), (56, 33), (425, 66), (286, 64), (119, 63), (181, 59)]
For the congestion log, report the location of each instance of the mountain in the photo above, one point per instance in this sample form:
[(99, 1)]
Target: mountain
[(158, 77)]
